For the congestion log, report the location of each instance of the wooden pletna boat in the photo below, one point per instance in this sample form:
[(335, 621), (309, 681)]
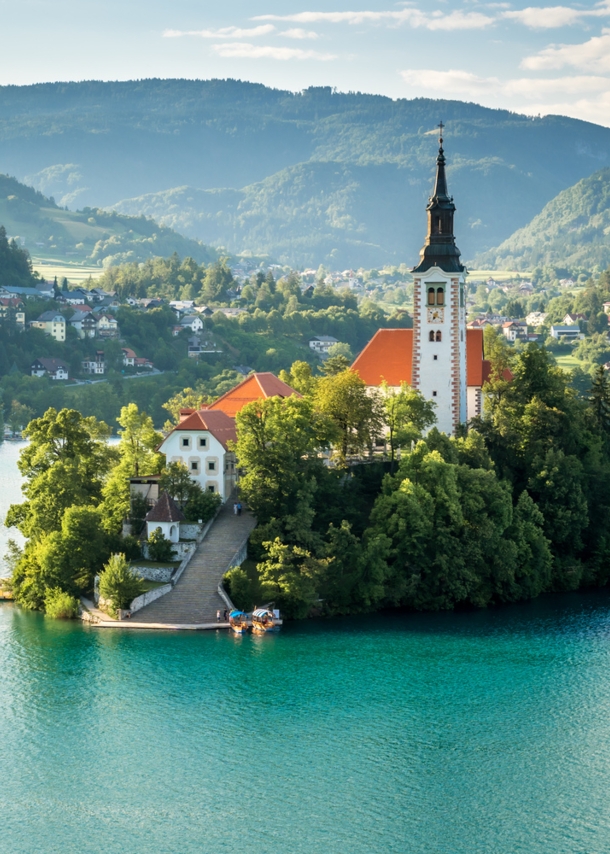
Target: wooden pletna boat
[(238, 621), (263, 621)]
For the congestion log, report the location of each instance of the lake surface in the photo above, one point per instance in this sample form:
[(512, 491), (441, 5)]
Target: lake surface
[(478, 733)]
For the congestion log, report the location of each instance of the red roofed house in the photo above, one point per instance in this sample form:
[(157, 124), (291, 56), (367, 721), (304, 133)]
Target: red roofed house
[(200, 442), (254, 387), (439, 356)]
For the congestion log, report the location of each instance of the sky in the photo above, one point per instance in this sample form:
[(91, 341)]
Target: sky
[(533, 59)]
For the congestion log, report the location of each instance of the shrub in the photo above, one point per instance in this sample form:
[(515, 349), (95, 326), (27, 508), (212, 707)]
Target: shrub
[(159, 547), (119, 583), (137, 514), (239, 587), (202, 505), (60, 605)]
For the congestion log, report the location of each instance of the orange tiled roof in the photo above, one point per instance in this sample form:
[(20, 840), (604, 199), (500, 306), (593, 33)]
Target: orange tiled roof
[(474, 357), (389, 356), (218, 423), (254, 387)]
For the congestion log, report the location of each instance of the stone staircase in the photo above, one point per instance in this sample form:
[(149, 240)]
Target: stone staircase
[(195, 597)]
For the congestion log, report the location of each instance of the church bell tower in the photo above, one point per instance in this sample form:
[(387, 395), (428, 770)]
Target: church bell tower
[(439, 310)]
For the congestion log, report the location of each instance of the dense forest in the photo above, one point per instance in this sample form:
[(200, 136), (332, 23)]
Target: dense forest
[(353, 170), (571, 231)]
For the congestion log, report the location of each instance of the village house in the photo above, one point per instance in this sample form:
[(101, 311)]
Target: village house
[(53, 368), (200, 442), (52, 324), (514, 330), (95, 365), (12, 308), (107, 326), (321, 344), (566, 333), (129, 357), (574, 319), (536, 319), (24, 293)]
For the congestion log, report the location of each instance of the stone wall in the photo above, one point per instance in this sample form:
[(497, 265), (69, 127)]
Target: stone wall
[(150, 596), (162, 574)]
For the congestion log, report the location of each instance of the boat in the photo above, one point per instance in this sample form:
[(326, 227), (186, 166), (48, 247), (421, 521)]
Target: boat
[(263, 621), (238, 621)]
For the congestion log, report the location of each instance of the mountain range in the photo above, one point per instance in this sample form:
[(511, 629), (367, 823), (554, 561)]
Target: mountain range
[(308, 177), (572, 231), (91, 236)]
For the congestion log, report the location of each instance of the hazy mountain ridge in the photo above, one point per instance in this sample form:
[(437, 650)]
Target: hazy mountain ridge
[(98, 143), (91, 235), (572, 230)]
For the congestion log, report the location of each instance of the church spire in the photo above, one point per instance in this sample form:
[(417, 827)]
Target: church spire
[(440, 250)]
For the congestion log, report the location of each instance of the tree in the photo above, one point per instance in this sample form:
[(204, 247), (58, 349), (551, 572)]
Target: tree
[(119, 583), (218, 279), (64, 464), (19, 416), (599, 400), (299, 377), (202, 506), (137, 457), (356, 417), (276, 443), (159, 547), (176, 481), (239, 587), (291, 578), (335, 364), (60, 605), (407, 415), (340, 349), (188, 398)]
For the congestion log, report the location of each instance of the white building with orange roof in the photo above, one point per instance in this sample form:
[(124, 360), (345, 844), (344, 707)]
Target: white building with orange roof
[(440, 357), (258, 386), (200, 442)]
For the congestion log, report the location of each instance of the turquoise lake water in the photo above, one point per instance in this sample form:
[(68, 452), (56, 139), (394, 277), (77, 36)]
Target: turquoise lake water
[(478, 733)]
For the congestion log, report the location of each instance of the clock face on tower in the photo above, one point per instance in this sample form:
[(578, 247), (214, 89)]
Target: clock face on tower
[(436, 315)]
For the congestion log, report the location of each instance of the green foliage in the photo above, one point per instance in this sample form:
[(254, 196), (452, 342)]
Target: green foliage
[(239, 588), (355, 416), (176, 481), (159, 547), (60, 605), (119, 583), (407, 414), (202, 505), (571, 230), (290, 578), (15, 263)]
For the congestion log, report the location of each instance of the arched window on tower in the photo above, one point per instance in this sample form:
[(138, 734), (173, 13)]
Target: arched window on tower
[(430, 296), (440, 296), (439, 225), (432, 335), (439, 335)]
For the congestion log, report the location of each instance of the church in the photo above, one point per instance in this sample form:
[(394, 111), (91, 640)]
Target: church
[(440, 357)]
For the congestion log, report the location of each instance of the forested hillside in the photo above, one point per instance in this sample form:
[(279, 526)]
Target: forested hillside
[(572, 230), (353, 171), (90, 235)]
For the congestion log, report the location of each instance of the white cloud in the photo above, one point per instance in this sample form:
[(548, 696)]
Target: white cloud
[(465, 84), (545, 18), (243, 50), (452, 82), (548, 17), (593, 55), (224, 33), (414, 17), (298, 33)]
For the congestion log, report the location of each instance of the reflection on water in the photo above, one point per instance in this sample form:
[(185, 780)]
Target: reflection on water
[(477, 732)]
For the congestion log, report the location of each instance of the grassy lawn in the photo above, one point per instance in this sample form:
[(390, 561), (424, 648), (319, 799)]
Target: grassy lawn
[(567, 361), (498, 275), (76, 274), (152, 585)]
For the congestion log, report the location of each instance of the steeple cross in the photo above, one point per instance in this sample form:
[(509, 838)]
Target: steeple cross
[(441, 126)]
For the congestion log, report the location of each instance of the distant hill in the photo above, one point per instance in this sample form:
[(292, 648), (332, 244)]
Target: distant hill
[(572, 230), (91, 235), (315, 175)]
